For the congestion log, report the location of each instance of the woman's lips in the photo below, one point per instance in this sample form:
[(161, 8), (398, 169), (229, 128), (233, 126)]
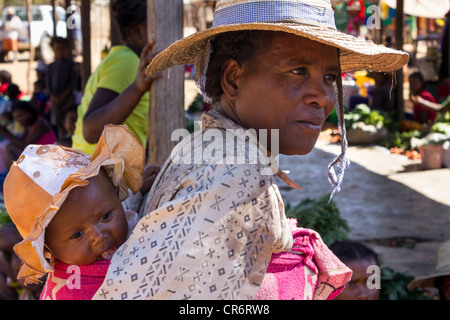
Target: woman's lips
[(310, 125)]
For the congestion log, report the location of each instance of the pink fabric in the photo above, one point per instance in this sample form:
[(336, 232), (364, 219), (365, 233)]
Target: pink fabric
[(66, 284), (309, 271), (47, 138)]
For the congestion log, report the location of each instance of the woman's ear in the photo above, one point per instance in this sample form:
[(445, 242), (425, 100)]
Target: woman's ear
[(231, 70)]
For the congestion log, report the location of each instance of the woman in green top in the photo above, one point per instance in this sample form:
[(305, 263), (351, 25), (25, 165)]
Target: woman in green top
[(117, 92)]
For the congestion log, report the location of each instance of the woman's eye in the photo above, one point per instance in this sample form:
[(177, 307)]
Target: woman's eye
[(331, 78), (106, 216), (300, 71), (76, 235)]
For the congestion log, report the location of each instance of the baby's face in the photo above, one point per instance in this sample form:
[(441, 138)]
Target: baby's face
[(90, 225)]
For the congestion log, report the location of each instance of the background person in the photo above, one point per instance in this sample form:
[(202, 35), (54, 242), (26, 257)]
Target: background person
[(11, 27), (118, 90), (359, 258), (37, 131), (440, 278), (60, 84)]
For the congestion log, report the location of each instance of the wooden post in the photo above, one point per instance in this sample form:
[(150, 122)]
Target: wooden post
[(86, 35), (447, 25), (165, 26), (69, 30), (54, 17), (32, 53), (399, 46)]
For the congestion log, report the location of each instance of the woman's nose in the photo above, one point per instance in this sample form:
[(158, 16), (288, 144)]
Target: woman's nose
[(319, 94)]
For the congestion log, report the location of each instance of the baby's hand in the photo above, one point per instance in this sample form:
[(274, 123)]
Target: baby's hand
[(148, 177)]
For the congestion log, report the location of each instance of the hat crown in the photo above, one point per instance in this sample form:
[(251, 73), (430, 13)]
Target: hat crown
[(50, 165), (308, 12), (318, 3)]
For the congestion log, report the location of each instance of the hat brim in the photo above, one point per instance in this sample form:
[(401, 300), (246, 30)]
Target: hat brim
[(427, 281), (356, 53)]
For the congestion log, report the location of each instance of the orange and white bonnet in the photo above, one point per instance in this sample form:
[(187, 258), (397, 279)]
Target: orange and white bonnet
[(42, 177)]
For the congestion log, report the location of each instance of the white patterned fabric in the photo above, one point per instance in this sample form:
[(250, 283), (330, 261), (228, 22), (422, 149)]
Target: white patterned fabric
[(209, 231)]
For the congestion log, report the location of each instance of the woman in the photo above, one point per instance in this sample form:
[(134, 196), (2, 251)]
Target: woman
[(215, 218), (117, 91), (37, 131)]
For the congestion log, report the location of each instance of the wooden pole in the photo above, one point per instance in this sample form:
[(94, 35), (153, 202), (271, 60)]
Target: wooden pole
[(31, 59), (69, 30), (54, 17), (165, 26), (86, 40), (399, 46), (447, 25)]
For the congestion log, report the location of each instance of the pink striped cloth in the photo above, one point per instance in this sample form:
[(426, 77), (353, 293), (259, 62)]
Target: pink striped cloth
[(74, 282), (309, 271)]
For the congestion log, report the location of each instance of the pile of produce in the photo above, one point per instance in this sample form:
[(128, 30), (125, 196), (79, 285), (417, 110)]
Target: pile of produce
[(366, 126), (322, 216)]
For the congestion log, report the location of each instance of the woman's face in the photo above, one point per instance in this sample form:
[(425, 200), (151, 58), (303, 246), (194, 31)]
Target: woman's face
[(290, 87), (357, 288)]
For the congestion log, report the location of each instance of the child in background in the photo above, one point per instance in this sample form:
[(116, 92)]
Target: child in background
[(417, 88), (69, 120), (74, 220), (36, 131), (357, 257), (60, 83), (39, 99)]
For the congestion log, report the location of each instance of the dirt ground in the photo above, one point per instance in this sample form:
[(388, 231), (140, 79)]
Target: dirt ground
[(401, 213)]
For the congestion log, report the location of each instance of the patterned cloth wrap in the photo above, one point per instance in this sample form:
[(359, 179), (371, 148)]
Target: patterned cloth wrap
[(67, 284), (309, 271)]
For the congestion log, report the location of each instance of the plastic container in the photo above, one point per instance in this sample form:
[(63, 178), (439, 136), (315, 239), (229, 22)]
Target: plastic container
[(431, 155), (446, 154)]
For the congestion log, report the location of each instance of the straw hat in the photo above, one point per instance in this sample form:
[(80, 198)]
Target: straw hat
[(312, 19), (442, 268), (40, 180)]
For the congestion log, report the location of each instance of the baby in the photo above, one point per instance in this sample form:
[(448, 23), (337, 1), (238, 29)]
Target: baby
[(68, 208)]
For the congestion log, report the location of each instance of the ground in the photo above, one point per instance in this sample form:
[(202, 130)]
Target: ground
[(403, 215)]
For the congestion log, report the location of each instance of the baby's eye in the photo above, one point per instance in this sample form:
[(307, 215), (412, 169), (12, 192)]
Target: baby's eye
[(76, 235), (106, 216)]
